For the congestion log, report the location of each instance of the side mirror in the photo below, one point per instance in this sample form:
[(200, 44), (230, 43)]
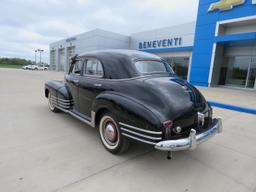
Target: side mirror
[(73, 59)]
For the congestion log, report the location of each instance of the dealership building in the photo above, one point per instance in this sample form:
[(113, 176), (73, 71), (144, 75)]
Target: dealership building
[(218, 49)]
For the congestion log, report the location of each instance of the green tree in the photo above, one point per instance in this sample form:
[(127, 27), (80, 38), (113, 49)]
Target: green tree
[(14, 62)]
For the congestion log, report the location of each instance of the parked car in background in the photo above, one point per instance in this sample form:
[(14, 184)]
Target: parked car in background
[(133, 95), (26, 67), (35, 67), (41, 67)]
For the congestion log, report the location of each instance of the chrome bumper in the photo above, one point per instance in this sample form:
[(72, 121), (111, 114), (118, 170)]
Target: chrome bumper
[(193, 140)]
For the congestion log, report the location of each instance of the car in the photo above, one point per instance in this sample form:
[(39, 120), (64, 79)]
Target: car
[(30, 67), (26, 67), (41, 67), (38, 67), (132, 95), (35, 67)]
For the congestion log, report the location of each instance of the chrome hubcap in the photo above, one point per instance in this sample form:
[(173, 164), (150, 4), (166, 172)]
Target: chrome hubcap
[(110, 133)]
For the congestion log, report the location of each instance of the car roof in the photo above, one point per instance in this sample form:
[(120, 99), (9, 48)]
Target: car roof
[(119, 63), (124, 52)]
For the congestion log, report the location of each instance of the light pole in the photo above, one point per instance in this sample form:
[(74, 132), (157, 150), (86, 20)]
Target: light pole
[(35, 56), (40, 52)]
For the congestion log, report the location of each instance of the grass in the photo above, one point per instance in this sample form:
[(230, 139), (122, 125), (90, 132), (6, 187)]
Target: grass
[(10, 66)]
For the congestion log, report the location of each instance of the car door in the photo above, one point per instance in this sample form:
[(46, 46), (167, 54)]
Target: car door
[(72, 81), (91, 84)]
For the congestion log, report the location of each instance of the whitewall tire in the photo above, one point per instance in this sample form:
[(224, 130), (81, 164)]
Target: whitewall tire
[(110, 134)]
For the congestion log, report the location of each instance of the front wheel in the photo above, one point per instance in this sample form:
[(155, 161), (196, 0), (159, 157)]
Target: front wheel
[(110, 135), (51, 104)]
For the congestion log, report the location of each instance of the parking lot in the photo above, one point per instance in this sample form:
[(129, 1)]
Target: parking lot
[(43, 151)]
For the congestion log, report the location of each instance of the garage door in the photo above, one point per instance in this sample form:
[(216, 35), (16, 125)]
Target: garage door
[(61, 59)]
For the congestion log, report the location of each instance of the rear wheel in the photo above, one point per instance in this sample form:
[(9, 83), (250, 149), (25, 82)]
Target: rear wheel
[(110, 134), (51, 104)]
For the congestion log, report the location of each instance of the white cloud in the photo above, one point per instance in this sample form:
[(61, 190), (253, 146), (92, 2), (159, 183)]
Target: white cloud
[(28, 25), (106, 15)]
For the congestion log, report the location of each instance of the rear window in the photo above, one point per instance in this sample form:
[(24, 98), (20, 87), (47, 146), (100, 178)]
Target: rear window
[(150, 67)]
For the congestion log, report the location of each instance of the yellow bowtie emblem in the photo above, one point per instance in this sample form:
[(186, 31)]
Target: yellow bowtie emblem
[(224, 5)]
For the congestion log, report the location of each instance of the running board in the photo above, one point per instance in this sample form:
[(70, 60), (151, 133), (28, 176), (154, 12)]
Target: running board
[(91, 123)]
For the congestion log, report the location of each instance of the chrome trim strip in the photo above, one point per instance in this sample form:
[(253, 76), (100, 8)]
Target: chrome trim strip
[(142, 130), (192, 141), (62, 106), (59, 103), (138, 139), (65, 101), (61, 100), (141, 135)]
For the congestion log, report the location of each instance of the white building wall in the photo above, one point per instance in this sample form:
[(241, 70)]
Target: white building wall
[(185, 31), (100, 39), (90, 41)]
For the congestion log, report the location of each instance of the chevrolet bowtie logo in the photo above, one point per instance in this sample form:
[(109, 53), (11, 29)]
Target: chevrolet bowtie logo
[(224, 5)]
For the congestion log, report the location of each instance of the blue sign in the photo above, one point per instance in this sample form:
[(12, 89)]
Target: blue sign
[(177, 41), (205, 35)]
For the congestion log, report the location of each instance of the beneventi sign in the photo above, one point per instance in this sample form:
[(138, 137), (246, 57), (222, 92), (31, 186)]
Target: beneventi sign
[(163, 43)]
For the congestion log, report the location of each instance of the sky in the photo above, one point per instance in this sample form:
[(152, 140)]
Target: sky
[(26, 25)]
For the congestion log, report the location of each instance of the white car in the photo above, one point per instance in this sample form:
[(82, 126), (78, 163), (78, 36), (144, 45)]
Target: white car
[(26, 67), (39, 67), (35, 67)]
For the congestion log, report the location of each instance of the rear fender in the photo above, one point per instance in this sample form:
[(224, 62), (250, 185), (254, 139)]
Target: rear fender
[(129, 110)]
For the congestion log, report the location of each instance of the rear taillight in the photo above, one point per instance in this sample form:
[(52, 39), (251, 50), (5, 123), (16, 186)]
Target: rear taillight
[(167, 123)]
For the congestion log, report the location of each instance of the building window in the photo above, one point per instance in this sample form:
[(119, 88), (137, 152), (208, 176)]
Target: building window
[(238, 71)]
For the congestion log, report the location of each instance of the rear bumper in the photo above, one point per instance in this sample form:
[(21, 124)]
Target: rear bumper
[(193, 140)]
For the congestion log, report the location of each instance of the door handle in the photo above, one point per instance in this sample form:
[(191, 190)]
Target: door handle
[(97, 85)]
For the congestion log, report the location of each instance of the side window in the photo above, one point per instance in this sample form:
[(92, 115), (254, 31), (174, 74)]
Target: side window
[(78, 66), (99, 69), (94, 68), (91, 67)]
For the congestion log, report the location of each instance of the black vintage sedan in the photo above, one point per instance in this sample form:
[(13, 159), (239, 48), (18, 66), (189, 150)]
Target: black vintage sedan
[(133, 95)]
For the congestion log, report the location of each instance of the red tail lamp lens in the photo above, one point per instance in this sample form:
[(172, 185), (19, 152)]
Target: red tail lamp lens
[(167, 123)]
